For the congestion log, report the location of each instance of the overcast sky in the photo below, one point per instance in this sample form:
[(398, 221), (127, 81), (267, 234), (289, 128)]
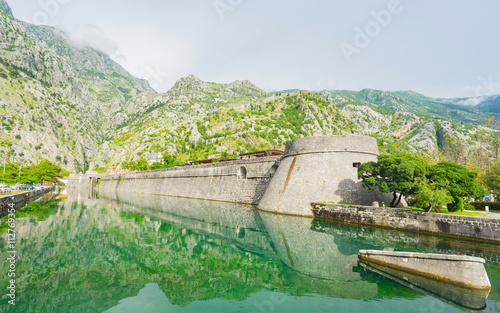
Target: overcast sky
[(447, 48)]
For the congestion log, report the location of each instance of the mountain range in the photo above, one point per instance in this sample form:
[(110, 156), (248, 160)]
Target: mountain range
[(77, 107)]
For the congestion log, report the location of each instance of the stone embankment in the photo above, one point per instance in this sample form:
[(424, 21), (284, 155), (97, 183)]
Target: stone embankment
[(406, 219), (23, 197)]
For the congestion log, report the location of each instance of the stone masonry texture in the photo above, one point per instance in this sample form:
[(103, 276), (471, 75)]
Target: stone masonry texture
[(406, 219)]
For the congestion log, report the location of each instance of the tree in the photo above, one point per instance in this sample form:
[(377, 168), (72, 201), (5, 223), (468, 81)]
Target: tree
[(429, 196), (47, 171), (492, 178), (142, 165), (170, 160), (454, 149), (393, 173), (493, 135), (459, 181), (100, 169), (156, 165)]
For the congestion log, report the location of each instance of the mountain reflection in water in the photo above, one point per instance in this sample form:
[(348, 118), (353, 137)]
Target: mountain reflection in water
[(142, 253)]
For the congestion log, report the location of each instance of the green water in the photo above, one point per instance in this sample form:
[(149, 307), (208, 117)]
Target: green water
[(139, 253)]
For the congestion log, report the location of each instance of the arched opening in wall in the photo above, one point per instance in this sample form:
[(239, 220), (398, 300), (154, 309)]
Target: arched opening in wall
[(90, 181), (356, 164), (242, 173), (273, 170), (240, 231), (98, 181)]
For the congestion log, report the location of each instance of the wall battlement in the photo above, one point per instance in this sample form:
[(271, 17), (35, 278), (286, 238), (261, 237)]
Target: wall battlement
[(322, 168)]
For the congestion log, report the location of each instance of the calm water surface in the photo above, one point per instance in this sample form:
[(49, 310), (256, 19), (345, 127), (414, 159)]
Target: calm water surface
[(139, 253)]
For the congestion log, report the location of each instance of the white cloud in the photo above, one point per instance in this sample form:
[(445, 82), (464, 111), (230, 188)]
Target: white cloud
[(93, 36), (159, 56), (291, 44), (472, 101)]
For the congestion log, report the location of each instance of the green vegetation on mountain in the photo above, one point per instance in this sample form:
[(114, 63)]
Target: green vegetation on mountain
[(73, 105), (492, 178)]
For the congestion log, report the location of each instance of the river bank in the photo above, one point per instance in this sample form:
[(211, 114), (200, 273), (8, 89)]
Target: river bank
[(405, 219), (22, 198)]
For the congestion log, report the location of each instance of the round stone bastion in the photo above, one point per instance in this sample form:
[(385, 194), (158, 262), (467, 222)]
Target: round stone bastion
[(321, 168)]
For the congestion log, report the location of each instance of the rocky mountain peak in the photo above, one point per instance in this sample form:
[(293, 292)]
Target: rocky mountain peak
[(5, 6), (244, 83), (189, 79), (190, 82)]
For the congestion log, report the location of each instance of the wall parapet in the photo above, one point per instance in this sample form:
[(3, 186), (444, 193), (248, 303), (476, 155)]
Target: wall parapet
[(406, 219)]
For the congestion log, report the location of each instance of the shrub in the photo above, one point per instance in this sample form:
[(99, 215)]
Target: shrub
[(469, 207), (18, 137), (479, 205), (457, 205)]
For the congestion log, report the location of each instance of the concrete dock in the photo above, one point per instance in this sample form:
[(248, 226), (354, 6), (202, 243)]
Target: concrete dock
[(459, 270)]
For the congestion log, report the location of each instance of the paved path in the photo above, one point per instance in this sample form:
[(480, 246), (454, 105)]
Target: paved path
[(10, 194), (495, 215)]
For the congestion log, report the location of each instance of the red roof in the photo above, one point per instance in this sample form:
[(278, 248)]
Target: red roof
[(263, 153), (210, 161), (121, 171)]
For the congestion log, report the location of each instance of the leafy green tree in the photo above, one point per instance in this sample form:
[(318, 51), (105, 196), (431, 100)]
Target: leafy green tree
[(492, 178), (393, 173), (128, 165), (454, 149), (11, 174), (44, 171), (142, 165), (170, 160), (430, 196), (100, 169), (47, 170), (460, 182), (156, 165)]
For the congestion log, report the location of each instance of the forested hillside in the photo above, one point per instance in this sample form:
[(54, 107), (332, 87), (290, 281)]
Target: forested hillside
[(76, 107)]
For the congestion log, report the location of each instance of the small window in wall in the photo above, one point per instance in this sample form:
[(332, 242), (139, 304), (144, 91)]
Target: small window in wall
[(273, 170), (356, 164), (242, 173)]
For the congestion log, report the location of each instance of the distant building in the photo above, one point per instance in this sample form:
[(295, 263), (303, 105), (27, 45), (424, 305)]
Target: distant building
[(155, 157), (214, 160), (63, 179), (249, 155), (260, 154), (114, 172)]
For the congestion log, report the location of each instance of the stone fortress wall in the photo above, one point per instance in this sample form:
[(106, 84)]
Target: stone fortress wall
[(322, 168), (240, 181)]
